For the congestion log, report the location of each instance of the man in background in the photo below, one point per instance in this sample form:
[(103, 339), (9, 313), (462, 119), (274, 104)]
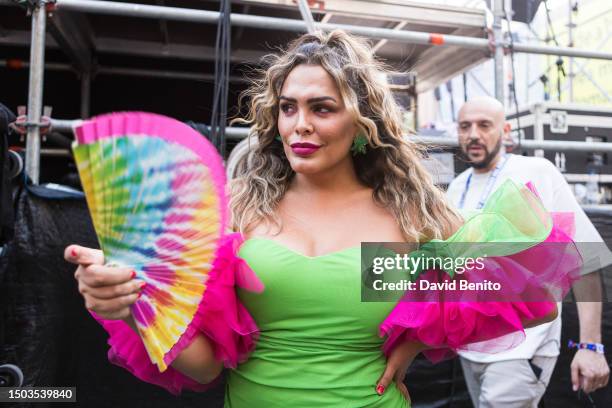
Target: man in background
[(519, 377)]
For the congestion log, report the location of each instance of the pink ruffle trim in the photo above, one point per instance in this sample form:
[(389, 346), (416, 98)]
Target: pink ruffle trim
[(220, 317), (487, 326), (446, 328)]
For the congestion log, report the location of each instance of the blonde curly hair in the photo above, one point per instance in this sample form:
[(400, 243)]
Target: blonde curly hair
[(392, 165)]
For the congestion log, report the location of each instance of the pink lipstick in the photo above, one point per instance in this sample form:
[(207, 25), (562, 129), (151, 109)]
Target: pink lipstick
[(304, 148)]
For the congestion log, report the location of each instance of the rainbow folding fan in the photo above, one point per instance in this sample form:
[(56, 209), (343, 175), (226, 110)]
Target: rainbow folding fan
[(155, 190)]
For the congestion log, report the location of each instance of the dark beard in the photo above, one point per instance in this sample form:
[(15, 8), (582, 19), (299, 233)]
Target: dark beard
[(483, 164)]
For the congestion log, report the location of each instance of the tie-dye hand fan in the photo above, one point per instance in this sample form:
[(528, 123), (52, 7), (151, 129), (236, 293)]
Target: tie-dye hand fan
[(155, 190)]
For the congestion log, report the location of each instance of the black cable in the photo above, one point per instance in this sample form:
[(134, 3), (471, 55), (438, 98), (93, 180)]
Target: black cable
[(222, 68), (215, 107), (550, 26), (559, 61), (226, 66)]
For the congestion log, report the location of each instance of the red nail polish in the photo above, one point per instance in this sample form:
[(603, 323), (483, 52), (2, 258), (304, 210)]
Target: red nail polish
[(73, 252), (143, 284), (380, 389), (133, 275), (139, 295)]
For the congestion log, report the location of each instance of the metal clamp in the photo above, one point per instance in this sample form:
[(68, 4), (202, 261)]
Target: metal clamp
[(22, 124), (30, 5)]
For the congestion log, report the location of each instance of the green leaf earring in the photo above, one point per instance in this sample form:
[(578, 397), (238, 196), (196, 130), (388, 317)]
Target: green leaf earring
[(278, 138), (359, 145)]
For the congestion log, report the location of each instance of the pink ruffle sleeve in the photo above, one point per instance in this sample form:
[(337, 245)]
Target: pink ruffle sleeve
[(445, 324), (220, 317)]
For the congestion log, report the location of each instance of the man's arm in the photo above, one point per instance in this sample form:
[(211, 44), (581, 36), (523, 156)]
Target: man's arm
[(590, 370), (587, 292)]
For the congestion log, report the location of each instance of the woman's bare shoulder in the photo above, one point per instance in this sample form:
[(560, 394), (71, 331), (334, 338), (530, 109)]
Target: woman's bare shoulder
[(261, 228)]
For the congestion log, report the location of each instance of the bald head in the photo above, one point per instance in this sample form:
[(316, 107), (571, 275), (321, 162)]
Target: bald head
[(481, 128), (484, 105)]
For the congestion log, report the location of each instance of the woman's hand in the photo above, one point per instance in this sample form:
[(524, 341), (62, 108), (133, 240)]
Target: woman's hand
[(108, 291), (397, 364)]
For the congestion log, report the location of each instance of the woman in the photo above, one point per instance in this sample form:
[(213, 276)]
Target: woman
[(331, 170)]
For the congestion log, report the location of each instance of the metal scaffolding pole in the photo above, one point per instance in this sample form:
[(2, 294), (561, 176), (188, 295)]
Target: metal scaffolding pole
[(561, 51), (508, 14), (556, 145), (498, 15), (262, 22), (242, 20), (570, 35), (306, 16), (122, 71), (35, 92), (239, 133)]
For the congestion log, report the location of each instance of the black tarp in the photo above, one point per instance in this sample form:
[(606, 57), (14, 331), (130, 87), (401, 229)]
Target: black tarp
[(46, 330), (6, 210)]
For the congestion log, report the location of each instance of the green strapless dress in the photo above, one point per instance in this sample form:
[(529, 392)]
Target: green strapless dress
[(318, 344)]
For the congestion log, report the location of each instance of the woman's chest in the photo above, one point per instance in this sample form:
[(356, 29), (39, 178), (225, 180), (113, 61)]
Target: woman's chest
[(319, 231), (321, 295)]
